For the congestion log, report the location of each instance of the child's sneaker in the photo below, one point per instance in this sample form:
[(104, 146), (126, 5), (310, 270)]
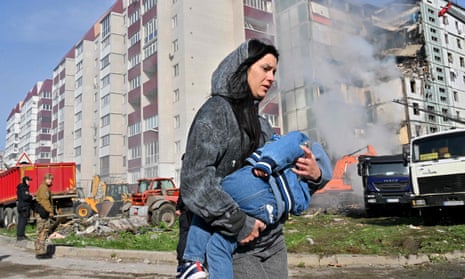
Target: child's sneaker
[(191, 270)]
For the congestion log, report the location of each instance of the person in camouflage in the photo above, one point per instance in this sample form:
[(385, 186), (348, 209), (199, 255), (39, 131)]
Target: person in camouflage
[(44, 202)]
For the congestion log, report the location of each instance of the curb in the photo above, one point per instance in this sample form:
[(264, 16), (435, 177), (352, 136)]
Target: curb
[(294, 260)]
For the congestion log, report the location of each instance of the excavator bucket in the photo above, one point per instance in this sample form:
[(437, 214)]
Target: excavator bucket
[(104, 208)]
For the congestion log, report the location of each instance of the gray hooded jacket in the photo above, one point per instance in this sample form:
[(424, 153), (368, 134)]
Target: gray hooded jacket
[(212, 152)]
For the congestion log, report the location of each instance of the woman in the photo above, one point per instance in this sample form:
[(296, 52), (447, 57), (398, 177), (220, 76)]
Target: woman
[(225, 131)]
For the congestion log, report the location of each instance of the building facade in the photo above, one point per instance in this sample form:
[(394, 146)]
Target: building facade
[(123, 98), (376, 71)]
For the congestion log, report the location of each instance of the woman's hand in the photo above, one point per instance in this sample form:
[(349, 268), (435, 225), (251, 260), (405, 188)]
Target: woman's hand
[(257, 228), (307, 166)]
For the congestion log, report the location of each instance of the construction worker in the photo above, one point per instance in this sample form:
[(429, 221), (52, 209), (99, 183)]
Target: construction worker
[(45, 210)]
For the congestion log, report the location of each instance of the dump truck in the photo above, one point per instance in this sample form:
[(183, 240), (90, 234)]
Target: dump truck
[(63, 188), (437, 172), (386, 184), (106, 200), (155, 200)]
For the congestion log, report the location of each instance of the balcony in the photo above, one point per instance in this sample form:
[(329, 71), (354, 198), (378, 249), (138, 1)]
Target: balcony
[(151, 88), (150, 64), (258, 14), (134, 97)]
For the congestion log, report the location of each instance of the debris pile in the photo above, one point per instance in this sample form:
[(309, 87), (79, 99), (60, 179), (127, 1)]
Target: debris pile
[(96, 225)]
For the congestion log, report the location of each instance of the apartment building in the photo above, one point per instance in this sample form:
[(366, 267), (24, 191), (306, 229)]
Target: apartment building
[(28, 126), (124, 96), (11, 154), (427, 38), (43, 139), (173, 47), (359, 58)]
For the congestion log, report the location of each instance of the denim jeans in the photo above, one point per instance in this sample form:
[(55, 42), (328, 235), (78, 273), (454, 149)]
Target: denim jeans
[(255, 197)]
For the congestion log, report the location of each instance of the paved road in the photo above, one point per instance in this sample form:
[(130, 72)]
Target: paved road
[(17, 261)]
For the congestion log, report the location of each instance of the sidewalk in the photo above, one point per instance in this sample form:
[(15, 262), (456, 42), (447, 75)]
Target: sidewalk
[(294, 260)]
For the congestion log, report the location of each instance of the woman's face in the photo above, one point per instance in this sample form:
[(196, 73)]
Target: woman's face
[(260, 75)]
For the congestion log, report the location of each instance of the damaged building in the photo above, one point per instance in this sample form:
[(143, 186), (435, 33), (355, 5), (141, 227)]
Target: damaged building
[(427, 39), (357, 72)]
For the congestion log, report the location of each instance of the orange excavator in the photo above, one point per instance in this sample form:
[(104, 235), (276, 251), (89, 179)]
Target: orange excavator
[(337, 182)]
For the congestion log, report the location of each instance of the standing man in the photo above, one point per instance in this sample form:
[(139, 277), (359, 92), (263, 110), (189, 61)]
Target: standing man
[(25, 202), (185, 219), (45, 209)]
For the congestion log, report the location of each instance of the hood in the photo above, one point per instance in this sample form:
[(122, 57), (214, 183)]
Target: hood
[(226, 69)]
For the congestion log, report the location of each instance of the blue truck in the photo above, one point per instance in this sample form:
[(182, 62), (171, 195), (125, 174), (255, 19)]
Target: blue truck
[(386, 184)]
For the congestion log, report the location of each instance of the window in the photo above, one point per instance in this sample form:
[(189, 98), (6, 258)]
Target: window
[(105, 165), (150, 30), (105, 26), (134, 17), (177, 121), (105, 80), (134, 83), (79, 49), (151, 122), (77, 116), (134, 39), (446, 38), (450, 58), (106, 120), (444, 115), (106, 140), (106, 100), (77, 134), (452, 76), (456, 96), (150, 49), (459, 43), (462, 62), (174, 21), (176, 95), (134, 152), (412, 86), (105, 61), (263, 5), (151, 152), (79, 66), (79, 82), (77, 151), (416, 109), (78, 99), (175, 46), (134, 129), (176, 70), (148, 4), (134, 60)]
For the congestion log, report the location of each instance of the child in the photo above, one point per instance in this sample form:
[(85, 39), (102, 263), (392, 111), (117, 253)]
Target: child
[(266, 189)]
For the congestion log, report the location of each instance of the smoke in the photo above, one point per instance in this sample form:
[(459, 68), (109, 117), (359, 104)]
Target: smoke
[(354, 107)]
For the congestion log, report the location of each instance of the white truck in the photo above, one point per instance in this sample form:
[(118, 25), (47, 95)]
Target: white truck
[(437, 169)]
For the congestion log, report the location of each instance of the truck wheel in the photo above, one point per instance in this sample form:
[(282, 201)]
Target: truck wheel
[(7, 214), (1, 217), (14, 216), (164, 214), (83, 210)]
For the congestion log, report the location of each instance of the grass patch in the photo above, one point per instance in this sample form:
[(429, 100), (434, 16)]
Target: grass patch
[(323, 234), (327, 234)]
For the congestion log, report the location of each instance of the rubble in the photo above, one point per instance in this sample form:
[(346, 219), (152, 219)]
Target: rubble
[(96, 225)]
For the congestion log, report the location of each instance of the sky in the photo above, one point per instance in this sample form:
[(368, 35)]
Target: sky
[(36, 35)]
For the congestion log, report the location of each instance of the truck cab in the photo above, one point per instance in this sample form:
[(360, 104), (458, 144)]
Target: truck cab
[(386, 183), (437, 167)]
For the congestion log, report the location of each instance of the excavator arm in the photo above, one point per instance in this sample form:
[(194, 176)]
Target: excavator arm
[(339, 171)]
